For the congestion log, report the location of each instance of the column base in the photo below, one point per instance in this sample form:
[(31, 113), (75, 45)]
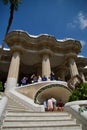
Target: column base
[(11, 84)]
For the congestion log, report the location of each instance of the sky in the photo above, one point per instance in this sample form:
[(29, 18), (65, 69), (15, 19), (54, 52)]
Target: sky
[(59, 18)]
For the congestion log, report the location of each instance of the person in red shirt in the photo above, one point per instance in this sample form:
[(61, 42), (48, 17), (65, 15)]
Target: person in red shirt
[(60, 105)]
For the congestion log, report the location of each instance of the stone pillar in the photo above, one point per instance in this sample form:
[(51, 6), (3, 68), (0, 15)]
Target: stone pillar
[(73, 67), (13, 71), (46, 69)]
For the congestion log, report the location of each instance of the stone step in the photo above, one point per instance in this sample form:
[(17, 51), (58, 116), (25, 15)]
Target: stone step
[(15, 106), (16, 109), (19, 108), (30, 118), (13, 102), (19, 111), (57, 127), (24, 123), (40, 114), (19, 118)]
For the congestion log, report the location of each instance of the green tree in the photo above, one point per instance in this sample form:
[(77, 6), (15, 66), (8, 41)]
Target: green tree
[(1, 87), (13, 6), (79, 93)]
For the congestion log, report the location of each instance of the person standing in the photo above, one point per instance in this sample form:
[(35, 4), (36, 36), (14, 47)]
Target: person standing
[(54, 104), (45, 103), (32, 78), (39, 78), (24, 81), (52, 76), (50, 104), (61, 105)]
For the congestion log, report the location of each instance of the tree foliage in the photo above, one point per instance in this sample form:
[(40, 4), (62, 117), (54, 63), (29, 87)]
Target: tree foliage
[(13, 6), (79, 93), (14, 2), (1, 87)]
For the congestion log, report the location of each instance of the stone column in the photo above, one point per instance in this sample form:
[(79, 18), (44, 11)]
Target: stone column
[(73, 67), (13, 71), (46, 69)]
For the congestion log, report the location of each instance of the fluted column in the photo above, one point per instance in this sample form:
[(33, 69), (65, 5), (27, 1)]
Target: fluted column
[(46, 69), (13, 71), (73, 67)]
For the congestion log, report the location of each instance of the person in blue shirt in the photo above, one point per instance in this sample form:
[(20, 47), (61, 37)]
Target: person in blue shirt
[(44, 78)]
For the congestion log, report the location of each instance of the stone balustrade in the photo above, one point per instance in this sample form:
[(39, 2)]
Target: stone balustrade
[(3, 103)]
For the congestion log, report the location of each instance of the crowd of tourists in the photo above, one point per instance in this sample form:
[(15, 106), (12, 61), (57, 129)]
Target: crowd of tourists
[(34, 78), (52, 104)]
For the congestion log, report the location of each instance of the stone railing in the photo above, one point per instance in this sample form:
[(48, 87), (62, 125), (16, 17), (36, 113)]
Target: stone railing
[(76, 109), (25, 101), (3, 104)]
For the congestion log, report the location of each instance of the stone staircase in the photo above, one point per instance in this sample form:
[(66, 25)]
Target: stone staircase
[(18, 118), (16, 106)]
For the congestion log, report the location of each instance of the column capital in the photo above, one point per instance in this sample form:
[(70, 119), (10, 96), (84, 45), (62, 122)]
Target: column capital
[(17, 48), (70, 56), (45, 52)]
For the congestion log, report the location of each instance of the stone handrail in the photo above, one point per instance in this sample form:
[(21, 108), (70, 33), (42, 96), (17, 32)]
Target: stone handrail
[(75, 105), (3, 104), (73, 108), (25, 101), (30, 90)]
